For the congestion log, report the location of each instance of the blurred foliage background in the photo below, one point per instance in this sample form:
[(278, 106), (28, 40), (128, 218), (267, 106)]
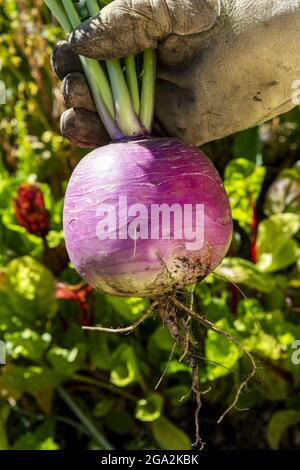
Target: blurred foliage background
[(63, 388)]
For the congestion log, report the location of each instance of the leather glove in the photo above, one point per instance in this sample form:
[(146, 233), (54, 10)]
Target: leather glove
[(223, 66)]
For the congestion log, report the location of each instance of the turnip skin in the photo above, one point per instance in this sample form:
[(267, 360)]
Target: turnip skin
[(150, 171)]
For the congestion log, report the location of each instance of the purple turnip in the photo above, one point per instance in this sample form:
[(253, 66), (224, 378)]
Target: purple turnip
[(131, 222)]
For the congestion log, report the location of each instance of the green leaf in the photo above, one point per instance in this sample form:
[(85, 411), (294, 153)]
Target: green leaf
[(26, 442), (55, 238), (103, 407), (66, 362), (125, 369), (162, 339), (278, 425), (17, 379), (16, 241), (242, 271), (213, 302), (265, 345), (8, 187), (250, 314), (174, 367), (284, 194), (149, 409), (127, 308), (276, 248), (41, 439), (99, 351), (265, 332), (9, 320), (123, 375), (159, 346), (243, 183), (30, 442), (27, 343), (30, 288), (221, 354), (48, 444), (168, 436), (45, 430)]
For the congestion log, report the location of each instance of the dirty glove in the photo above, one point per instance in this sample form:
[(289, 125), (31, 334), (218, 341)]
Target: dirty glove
[(224, 66)]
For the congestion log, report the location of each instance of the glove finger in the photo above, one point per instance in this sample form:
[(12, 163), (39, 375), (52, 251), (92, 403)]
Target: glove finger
[(125, 27), (83, 128), (76, 93), (64, 60)]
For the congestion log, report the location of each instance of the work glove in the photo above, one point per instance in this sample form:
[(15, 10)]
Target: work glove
[(223, 66)]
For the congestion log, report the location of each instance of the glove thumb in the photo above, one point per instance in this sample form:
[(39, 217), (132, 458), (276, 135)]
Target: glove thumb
[(126, 27)]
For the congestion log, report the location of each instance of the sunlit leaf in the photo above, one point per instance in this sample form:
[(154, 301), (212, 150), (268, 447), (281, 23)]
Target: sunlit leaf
[(276, 248), (284, 194), (149, 409), (66, 361), (242, 271), (221, 354), (19, 379), (126, 368), (27, 343), (30, 288), (129, 308), (243, 183)]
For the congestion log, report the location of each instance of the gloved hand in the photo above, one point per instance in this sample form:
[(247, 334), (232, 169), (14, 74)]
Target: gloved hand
[(224, 66)]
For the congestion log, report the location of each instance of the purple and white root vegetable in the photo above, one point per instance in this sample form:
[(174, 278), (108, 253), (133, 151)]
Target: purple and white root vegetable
[(145, 217)]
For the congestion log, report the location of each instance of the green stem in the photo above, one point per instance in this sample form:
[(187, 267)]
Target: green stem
[(59, 14), (93, 7), (126, 118), (118, 103), (72, 13), (93, 431), (148, 89), (96, 69), (93, 72), (102, 84), (98, 83), (132, 81)]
